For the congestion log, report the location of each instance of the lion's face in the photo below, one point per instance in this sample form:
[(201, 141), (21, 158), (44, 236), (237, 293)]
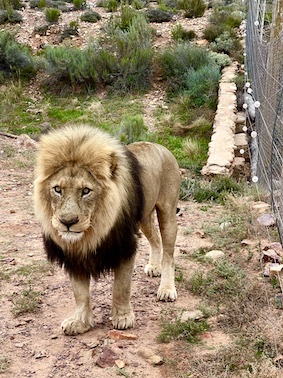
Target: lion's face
[(74, 195)]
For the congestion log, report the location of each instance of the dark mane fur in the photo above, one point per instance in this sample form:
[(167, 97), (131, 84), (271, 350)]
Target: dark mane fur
[(120, 244)]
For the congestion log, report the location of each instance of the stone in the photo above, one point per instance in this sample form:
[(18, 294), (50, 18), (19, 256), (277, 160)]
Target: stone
[(150, 357), (107, 358), (215, 255), (120, 364), (266, 220), (121, 335), (261, 207), (191, 315)]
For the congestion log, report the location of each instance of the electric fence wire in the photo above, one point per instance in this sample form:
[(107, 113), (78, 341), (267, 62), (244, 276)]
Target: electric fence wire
[(264, 73)]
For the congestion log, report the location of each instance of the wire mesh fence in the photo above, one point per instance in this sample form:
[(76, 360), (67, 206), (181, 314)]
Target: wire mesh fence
[(264, 83)]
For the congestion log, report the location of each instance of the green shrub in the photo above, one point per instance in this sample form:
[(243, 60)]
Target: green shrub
[(71, 29), (132, 53), (202, 85), (90, 16), (192, 8), (222, 60), (79, 4), (10, 15), (112, 5), (124, 20), (70, 66), (41, 30), (176, 61), (178, 33), (227, 42), (15, 59), (132, 129), (179, 330), (158, 15), (52, 15)]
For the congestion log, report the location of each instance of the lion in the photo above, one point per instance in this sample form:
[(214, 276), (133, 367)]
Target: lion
[(92, 195)]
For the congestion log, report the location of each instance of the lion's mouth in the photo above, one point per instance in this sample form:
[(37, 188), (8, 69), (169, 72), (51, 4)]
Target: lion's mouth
[(71, 236)]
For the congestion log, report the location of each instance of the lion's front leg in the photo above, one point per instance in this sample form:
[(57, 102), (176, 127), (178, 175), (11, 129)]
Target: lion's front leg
[(82, 320), (122, 313)]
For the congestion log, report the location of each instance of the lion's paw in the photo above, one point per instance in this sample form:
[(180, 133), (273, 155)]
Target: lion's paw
[(152, 270), (167, 295), (123, 321), (74, 325)]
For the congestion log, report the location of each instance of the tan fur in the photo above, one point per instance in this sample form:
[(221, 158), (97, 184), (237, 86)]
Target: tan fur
[(62, 179)]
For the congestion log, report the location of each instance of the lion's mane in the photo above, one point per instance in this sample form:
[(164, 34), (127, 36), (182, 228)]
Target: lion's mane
[(112, 236)]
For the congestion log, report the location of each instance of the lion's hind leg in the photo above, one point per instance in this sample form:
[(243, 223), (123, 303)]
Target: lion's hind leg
[(153, 268), (82, 320), (168, 230)]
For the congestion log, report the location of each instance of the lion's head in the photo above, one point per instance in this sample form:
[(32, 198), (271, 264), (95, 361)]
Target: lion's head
[(80, 187)]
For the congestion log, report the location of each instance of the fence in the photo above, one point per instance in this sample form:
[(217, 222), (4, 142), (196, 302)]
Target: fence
[(264, 82)]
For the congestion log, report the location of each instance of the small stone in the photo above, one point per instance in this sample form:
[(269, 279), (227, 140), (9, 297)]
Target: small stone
[(261, 207), (245, 242), (150, 357), (120, 364), (270, 255), (107, 358), (225, 225), (191, 315), (275, 269), (266, 220), (121, 335), (215, 255)]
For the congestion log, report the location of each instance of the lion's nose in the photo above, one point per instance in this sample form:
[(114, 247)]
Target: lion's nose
[(68, 222)]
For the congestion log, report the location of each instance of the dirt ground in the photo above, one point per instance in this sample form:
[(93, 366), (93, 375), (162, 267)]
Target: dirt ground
[(33, 343)]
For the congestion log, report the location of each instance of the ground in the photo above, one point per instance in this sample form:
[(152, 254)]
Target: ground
[(33, 343)]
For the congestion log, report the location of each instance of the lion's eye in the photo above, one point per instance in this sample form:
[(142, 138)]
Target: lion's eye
[(57, 189), (85, 191)]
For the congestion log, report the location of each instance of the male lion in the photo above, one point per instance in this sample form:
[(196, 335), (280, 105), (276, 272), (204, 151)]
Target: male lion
[(91, 196)]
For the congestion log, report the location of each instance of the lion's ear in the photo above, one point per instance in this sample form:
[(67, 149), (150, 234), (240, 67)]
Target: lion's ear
[(114, 163)]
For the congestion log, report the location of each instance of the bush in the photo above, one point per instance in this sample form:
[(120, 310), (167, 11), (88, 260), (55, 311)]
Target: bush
[(15, 59), (71, 29), (79, 4), (132, 52), (90, 16), (192, 8), (158, 15), (11, 16), (112, 5), (52, 15), (176, 61), (132, 129), (124, 20), (178, 33), (70, 66), (202, 85), (227, 42)]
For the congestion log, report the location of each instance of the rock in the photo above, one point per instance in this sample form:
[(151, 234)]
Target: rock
[(191, 315), (270, 255), (276, 246), (121, 335), (215, 255), (266, 220), (245, 242), (107, 358), (261, 207), (150, 357), (275, 269), (120, 364), (25, 141)]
